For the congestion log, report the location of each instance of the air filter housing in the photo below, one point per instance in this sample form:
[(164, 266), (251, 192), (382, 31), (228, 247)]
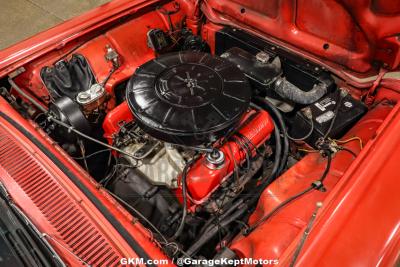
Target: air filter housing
[(188, 98)]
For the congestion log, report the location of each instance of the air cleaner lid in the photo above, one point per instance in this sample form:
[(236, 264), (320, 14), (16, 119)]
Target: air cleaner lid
[(188, 97)]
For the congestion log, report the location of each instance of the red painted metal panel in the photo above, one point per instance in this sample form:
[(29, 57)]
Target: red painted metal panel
[(70, 32), (57, 206), (72, 226), (272, 238), (357, 32), (129, 40), (348, 33), (359, 224)]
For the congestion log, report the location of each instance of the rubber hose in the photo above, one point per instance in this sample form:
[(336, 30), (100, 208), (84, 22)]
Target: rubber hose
[(287, 90)]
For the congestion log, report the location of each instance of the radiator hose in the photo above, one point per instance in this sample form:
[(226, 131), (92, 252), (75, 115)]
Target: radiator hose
[(287, 90)]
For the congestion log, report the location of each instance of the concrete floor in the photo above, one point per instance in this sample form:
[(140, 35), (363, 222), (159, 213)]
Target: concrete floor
[(20, 19)]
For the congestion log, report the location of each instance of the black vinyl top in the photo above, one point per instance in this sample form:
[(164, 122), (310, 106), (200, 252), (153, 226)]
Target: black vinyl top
[(188, 98)]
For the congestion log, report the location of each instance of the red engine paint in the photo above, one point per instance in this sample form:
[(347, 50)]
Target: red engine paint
[(271, 239), (115, 118), (202, 180)]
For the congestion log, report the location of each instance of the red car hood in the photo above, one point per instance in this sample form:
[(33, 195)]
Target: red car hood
[(356, 34), (350, 35)]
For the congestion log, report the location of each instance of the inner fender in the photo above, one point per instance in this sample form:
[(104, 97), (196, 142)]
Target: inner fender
[(273, 237)]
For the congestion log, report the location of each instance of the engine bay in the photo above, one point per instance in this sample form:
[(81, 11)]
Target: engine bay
[(218, 141)]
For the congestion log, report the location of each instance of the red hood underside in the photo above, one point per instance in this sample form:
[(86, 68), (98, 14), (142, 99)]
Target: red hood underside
[(357, 34)]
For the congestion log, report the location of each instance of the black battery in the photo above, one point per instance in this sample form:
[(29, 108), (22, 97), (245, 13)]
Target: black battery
[(323, 112)]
